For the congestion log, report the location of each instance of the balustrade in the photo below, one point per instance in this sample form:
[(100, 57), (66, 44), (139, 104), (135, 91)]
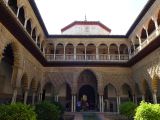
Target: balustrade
[(89, 57)]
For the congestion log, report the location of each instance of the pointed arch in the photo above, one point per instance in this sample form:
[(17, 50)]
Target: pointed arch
[(13, 5), (29, 26), (126, 92), (21, 15), (151, 27), (34, 34), (143, 35)]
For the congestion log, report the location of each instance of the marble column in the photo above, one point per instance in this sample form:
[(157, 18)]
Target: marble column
[(154, 98), (14, 95), (72, 104), (100, 103), (33, 98), (25, 96), (16, 76), (118, 104), (143, 98), (74, 109), (75, 53), (97, 53)]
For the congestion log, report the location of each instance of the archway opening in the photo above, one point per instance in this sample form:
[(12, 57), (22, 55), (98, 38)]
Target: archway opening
[(110, 98), (69, 52), (126, 93), (6, 69), (80, 51), (48, 92), (87, 86), (113, 51), (13, 5), (103, 52), (147, 92), (151, 27), (87, 97), (143, 35), (21, 15), (138, 95), (28, 26)]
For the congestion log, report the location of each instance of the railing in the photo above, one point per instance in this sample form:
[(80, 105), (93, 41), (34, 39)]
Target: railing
[(147, 41), (90, 57), (114, 57), (80, 57), (103, 57), (87, 57)]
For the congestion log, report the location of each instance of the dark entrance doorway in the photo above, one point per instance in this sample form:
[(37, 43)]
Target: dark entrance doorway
[(87, 92)]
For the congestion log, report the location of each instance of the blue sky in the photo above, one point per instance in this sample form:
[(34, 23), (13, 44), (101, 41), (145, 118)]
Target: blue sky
[(118, 15)]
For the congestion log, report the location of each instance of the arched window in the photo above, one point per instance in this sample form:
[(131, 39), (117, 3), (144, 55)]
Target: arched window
[(91, 52), (143, 35), (151, 27), (60, 52), (69, 52), (126, 92), (80, 51), (113, 50), (13, 5), (38, 41), (28, 26), (21, 15), (123, 49), (34, 34), (136, 42), (103, 52)]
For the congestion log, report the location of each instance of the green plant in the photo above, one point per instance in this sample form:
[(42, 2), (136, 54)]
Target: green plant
[(47, 111), (17, 111), (127, 109), (147, 111)]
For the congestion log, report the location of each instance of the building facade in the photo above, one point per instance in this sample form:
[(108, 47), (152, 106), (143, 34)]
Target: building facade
[(108, 69)]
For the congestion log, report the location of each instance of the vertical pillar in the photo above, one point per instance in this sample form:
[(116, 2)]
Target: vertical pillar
[(72, 103), (119, 100), (97, 53), (64, 52), (16, 76), (140, 43), (18, 12), (33, 97), (57, 98), (155, 23), (119, 53), (14, 95), (75, 52), (109, 57), (25, 96), (36, 39), (25, 23), (44, 51), (147, 35), (135, 99), (102, 104), (55, 52), (85, 52), (117, 104), (143, 97), (74, 109), (154, 97)]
